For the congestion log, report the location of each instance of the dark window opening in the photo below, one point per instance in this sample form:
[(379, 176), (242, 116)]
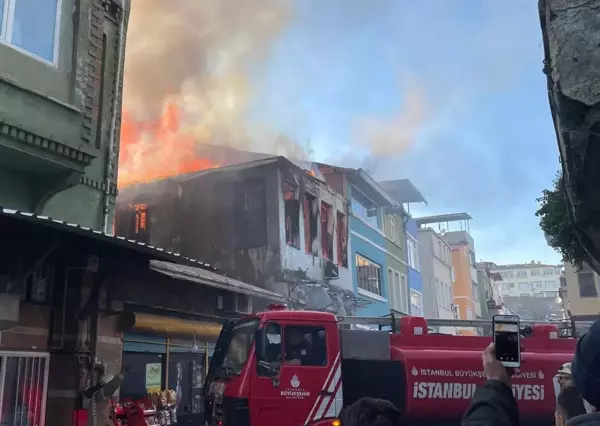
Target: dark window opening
[(587, 284), (310, 212), (342, 240), (250, 216), (327, 225), (292, 214)]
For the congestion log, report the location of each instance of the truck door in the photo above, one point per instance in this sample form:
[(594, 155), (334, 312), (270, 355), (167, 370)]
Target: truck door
[(293, 363)]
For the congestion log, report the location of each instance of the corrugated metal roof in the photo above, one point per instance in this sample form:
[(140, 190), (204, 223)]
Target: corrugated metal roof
[(403, 191), (101, 236), (441, 218), (202, 276)]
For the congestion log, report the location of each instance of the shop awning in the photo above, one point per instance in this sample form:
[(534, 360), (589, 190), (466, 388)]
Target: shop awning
[(212, 279), (168, 326)]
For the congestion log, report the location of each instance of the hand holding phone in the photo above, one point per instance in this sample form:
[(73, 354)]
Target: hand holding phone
[(507, 340)]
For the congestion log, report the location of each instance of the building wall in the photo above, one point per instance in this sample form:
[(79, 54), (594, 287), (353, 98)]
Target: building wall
[(518, 279), (463, 289), (395, 247), (436, 273), (582, 292), (56, 116), (415, 281), (369, 243)]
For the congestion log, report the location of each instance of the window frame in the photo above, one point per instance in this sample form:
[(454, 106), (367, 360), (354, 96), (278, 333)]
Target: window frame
[(595, 286), (6, 27), (355, 195), (392, 233), (377, 266), (421, 312), (412, 253)]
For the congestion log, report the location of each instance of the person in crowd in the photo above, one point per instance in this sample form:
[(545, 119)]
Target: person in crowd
[(371, 412), (585, 371), (564, 376), (569, 404), (494, 403)]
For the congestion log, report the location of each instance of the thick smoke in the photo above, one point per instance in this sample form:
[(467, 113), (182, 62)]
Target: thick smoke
[(197, 56)]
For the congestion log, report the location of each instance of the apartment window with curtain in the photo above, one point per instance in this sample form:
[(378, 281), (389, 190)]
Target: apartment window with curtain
[(368, 275), (416, 304)]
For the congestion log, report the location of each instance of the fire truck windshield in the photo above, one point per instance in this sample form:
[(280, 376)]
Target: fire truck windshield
[(236, 354)]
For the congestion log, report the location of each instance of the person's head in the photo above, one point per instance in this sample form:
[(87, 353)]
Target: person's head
[(564, 376), (585, 368), (568, 405), (371, 412)]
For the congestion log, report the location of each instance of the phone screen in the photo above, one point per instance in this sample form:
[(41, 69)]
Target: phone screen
[(506, 340)]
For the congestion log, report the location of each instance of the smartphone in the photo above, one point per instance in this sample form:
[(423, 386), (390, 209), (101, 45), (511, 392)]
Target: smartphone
[(507, 340)]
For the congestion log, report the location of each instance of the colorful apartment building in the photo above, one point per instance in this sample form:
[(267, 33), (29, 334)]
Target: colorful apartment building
[(465, 285)]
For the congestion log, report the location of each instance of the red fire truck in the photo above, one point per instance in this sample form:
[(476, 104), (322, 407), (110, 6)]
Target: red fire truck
[(299, 368)]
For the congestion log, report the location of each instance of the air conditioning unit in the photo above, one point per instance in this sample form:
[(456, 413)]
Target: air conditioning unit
[(331, 271)]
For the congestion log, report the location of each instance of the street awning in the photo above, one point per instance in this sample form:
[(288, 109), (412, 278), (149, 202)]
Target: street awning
[(212, 279), (168, 326)]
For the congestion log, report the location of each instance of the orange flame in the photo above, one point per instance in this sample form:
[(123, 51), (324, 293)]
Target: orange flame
[(141, 161)]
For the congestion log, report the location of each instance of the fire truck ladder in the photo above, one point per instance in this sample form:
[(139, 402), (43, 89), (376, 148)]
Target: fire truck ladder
[(393, 321)]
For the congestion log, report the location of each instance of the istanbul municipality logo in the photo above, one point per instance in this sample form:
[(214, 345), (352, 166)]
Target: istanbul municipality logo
[(295, 382)]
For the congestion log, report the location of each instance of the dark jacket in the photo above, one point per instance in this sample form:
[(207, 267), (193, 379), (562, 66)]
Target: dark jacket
[(492, 405), (590, 419)]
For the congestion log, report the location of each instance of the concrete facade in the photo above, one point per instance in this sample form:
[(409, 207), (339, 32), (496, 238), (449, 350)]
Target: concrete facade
[(583, 302), (60, 108), (265, 222), (436, 274)]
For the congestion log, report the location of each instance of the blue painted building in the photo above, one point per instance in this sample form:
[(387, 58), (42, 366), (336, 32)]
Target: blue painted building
[(415, 283), (367, 249)]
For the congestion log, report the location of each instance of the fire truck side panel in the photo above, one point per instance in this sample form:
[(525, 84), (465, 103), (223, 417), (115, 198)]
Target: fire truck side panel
[(442, 374)]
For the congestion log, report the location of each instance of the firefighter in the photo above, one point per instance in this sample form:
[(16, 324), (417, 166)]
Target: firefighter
[(564, 377), (100, 394), (297, 349)]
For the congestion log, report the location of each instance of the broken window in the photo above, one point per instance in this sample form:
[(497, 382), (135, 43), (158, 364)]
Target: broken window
[(250, 215), (310, 213), (292, 214), (327, 224), (342, 239)]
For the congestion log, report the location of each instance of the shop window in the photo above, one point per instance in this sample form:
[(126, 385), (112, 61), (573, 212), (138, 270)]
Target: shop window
[(292, 214), (305, 345), (310, 213), (342, 239), (24, 387), (327, 226)]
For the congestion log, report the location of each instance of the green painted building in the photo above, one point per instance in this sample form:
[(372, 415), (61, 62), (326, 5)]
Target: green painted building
[(396, 267), (60, 107)]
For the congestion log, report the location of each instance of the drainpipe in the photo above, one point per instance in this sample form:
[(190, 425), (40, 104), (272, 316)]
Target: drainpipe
[(113, 123)]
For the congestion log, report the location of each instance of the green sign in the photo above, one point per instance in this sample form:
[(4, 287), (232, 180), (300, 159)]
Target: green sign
[(153, 377)]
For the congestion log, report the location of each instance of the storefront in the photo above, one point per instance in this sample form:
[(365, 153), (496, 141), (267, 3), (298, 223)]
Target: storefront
[(166, 353)]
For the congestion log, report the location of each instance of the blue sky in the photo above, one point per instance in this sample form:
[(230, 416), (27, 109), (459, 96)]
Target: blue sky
[(447, 93)]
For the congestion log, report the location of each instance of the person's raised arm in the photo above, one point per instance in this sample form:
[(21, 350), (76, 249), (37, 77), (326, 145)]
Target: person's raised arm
[(494, 403)]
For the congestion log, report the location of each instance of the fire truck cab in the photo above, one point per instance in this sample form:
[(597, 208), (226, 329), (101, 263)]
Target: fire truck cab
[(300, 368)]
